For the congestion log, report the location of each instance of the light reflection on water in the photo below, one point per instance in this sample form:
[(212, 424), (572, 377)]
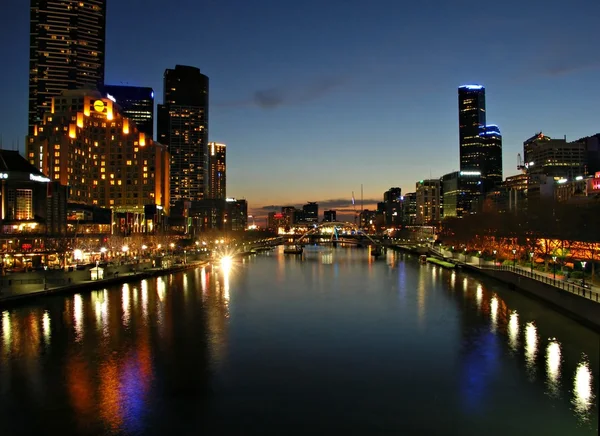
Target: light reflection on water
[(116, 382)]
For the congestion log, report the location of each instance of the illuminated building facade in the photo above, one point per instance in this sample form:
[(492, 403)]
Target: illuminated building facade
[(31, 205), (480, 144), (310, 212), (237, 214), (183, 127), (461, 191), (67, 49), (554, 158), (429, 202), (409, 209), (85, 143), (392, 208), (136, 103), (217, 170)]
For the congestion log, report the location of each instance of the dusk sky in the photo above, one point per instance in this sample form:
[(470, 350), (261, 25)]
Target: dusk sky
[(314, 98)]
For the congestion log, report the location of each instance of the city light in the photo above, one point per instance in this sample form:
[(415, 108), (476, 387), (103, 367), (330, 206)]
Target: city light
[(226, 262), (125, 248)]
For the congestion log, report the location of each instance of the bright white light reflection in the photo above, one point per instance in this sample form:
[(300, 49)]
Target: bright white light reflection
[(6, 333), (161, 287), (465, 284), (78, 316), (453, 279), (582, 392), (531, 344), (479, 296), (226, 287), (553, 355), (203, 279), (46, 326), (513, 331), (126, 305), (494, 312), (145, 298)]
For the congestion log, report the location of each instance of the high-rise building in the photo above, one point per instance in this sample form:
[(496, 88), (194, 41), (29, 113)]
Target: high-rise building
[(462, 191), (480, 143), (237, 214), (392, 208), (311, 212), (66, 50), (182, 126), (555, 158), (136, 103), (429, 202), (409, 209), (217, 170), (85, 143)]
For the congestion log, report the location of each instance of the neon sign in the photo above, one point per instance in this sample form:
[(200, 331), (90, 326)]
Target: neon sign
[(37, 178)]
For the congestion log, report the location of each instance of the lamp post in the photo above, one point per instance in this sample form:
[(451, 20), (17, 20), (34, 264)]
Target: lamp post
[(479, 252), (531, 260), (45, 277), (495, 259), (514, 250), (583, 263), (554, 266), (172, 245), (465, 254)]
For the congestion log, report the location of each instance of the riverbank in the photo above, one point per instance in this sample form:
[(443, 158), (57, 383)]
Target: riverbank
[(8, 297), (441, 263)]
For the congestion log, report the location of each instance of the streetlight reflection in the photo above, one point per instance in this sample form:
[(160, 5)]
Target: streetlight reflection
[(494, 313), (78, 316), (513, 331), (479, 296), (46, 326), (6, 333), (582, 390), (553, 357), (125, 304), (531, 345)]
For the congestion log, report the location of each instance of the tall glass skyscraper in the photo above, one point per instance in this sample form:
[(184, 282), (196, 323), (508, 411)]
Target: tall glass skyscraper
[(217, 171), (67, 45), (182, 126), (480, 143), (137, 104)]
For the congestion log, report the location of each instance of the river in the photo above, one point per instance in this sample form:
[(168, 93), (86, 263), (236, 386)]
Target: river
[(331, 342)]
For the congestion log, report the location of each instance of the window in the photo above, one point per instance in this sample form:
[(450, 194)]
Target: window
[(23, 204)]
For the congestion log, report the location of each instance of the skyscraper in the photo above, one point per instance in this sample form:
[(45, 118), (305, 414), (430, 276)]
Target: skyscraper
[(480, 144), (217, 170), (183, 127), (137, 104), (67, 40)]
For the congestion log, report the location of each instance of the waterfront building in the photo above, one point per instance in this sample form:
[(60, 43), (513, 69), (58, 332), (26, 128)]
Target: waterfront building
[(85, 143), (237, 214), (429, 202), (555, 158), (136, 103), (392, 208), (32, 207), (409, 209), (462, 191), (67, 50), (183, 127), (217, 170)]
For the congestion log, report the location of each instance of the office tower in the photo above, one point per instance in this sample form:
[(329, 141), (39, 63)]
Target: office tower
[(217, 174), (237, 214), (183, 127), (329, 216), (392, 208), (462, 192), (66, 50), (480, 143), (554, 158), (136, 103), (429, 202), (84, 142), (311, 212), (409, 209)]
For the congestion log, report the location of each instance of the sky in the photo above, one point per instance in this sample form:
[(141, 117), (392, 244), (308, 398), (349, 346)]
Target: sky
[(315, 98)]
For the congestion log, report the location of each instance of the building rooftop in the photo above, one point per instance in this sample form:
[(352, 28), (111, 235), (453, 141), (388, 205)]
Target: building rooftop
[(11, 160)]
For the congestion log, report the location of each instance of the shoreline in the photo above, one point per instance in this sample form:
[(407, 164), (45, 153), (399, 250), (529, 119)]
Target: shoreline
[(95, 284)]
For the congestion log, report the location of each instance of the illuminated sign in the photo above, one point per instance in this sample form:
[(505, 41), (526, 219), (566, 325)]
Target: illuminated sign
[(579, 178), (230, 200), (472, 87), (37, 178), (3, 176), (152, 94), (110, 97), (470, 173), (561, 181), (99, 106)]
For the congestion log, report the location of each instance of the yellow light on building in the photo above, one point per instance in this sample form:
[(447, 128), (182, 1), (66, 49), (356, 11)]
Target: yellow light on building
[(72, 131), (126, 126), (80, 120), (142, 139)]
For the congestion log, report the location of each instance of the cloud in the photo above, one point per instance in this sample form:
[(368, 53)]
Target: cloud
[(289, 95), (565, 68)]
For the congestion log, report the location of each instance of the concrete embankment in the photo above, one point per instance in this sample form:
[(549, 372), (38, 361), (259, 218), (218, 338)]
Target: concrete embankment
[(10, 296), (576, 307)]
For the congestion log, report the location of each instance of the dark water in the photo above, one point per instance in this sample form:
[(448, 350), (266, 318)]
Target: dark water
[(329, 344)]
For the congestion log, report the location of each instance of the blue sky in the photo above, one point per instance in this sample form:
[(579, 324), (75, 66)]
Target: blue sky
[(314, 98)]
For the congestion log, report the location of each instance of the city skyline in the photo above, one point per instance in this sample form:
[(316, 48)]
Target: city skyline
[(264, 82)]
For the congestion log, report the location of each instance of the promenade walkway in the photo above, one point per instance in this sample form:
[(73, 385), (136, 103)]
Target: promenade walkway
[(559, 281)]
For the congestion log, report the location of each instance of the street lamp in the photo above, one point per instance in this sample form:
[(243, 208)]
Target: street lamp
[(514, 250), (172, 245), (479, 258), (465, 254), (554, 266), (102, 252), (583, 263), (531, 260), (495, 260), (45, 279)]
